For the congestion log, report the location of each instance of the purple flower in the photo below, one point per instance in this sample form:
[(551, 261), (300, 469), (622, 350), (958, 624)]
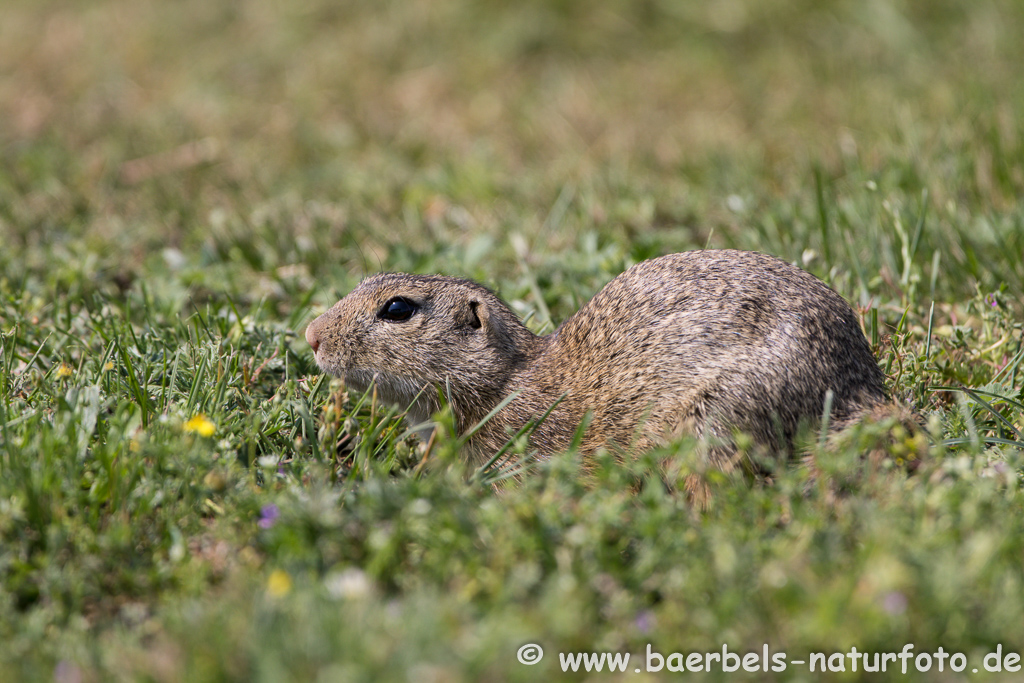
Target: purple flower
[(268, 515), (895, 603), (644, 621), (66, 672)]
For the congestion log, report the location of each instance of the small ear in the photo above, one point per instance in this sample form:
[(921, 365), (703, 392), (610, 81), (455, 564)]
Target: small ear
[(474, 314), (471, 313)]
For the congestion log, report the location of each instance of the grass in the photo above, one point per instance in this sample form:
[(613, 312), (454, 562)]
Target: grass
[(183, 186)]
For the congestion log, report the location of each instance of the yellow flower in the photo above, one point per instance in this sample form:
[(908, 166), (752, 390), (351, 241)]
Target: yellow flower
[(279, 584), (200, 425), (108, 366), (64, 370)]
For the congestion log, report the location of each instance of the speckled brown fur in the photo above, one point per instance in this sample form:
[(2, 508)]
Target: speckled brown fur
[(708, 342)]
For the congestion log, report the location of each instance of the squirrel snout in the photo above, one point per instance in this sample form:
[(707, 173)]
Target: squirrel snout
[(311, 338)]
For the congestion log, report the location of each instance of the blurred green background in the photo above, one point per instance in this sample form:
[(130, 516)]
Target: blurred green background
[(347, 137)]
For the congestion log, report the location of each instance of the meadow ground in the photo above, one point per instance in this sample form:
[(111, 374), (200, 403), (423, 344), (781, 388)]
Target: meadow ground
[(184, 185)]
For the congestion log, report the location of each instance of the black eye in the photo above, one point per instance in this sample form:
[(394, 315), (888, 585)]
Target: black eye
[(397, 310)]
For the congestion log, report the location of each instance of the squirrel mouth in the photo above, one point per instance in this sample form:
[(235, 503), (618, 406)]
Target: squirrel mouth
[(390, 388), (404, 392)]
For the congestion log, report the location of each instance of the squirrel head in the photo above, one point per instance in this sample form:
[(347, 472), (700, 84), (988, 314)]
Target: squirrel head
[(416, 335)]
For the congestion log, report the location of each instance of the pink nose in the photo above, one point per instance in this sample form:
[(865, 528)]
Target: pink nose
[(311, 338)]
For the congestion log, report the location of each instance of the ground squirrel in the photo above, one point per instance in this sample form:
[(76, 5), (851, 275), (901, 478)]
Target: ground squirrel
[(712, 342)]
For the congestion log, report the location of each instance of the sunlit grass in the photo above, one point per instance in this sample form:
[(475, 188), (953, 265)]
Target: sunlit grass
[(183, 186)]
